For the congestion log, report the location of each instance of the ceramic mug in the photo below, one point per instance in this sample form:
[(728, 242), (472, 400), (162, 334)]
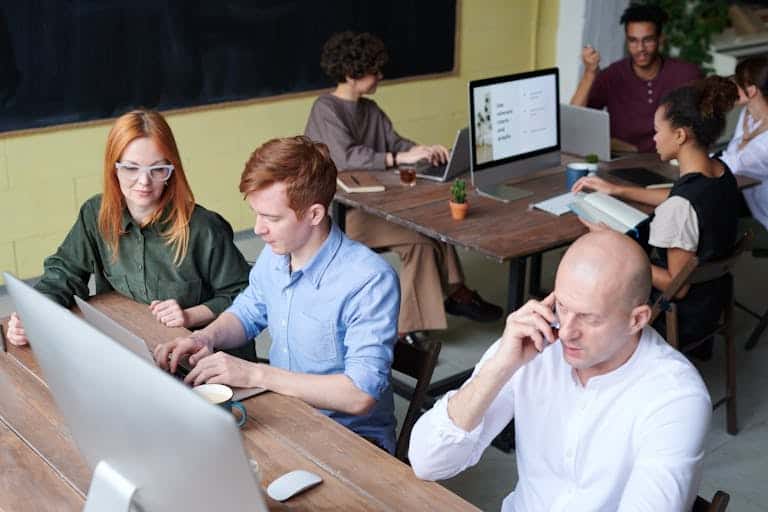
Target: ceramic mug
[(576, 170), (221, 395)]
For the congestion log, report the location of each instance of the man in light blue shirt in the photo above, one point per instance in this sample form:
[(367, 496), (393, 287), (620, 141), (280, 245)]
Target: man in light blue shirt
[(330, 303)]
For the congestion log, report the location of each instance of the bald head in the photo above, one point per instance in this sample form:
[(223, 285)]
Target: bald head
[(615, 263)]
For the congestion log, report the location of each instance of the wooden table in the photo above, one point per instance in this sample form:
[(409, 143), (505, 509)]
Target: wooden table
[(504, 232), (41, 468)]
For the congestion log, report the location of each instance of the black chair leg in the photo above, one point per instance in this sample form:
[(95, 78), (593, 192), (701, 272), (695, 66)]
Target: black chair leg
[(757, 332)]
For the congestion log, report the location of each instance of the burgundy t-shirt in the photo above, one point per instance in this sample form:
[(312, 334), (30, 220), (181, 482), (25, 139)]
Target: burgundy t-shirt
[(632, 102)]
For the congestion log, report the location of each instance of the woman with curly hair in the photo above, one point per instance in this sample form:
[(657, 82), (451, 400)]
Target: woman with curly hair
[(359, 135), (145, 237), (698, 215)]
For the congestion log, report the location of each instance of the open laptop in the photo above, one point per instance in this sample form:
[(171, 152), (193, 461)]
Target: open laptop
[(458, 162), (584, 131), (104, 324)]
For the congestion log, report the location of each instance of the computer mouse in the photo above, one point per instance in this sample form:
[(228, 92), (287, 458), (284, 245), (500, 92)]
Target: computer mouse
[(291, 484)]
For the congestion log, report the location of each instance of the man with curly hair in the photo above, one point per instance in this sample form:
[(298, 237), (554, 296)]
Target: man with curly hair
[(360, 136), (631, 88)]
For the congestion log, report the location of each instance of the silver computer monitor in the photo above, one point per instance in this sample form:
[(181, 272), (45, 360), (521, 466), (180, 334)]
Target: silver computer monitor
[(514, 123), (153, 443)]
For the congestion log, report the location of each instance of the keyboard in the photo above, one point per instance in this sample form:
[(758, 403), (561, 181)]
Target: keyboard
[(436, 171)]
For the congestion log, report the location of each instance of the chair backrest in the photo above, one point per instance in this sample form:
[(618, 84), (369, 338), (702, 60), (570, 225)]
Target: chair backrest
[(719, 503), (712, 270), (694, 273), (417, 360)]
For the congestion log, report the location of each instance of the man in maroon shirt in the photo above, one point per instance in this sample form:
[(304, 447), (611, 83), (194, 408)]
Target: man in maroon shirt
[(632, 88)]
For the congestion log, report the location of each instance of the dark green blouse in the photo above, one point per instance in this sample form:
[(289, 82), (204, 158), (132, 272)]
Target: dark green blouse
[(212, 273)]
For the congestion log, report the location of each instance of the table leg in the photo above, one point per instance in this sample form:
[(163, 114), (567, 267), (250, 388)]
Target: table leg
[(505, 441), (516, 289), (339, 214), (535, 283)]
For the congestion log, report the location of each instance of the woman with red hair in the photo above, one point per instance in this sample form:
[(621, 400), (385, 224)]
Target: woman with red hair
[(145, 237)]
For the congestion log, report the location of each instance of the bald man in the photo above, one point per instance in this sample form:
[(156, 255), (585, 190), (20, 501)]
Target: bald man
[(608, 416)]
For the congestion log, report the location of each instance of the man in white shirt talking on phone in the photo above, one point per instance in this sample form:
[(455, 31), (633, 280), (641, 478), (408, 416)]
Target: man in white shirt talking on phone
[(608, 416)]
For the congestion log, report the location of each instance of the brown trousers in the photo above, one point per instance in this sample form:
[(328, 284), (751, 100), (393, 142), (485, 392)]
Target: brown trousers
[(428, 268)]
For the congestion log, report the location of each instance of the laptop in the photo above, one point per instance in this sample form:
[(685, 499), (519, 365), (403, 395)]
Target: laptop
[(458, 161), (584, 131), (104, 324)]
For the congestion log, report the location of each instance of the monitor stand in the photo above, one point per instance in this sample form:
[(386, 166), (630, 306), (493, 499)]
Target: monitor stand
[(502, 192), (109, 490)]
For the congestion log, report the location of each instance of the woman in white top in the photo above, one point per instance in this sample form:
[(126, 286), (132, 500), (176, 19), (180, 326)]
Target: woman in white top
[(747, 153)]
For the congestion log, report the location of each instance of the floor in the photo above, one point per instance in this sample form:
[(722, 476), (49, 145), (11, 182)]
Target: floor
[(737, 464)]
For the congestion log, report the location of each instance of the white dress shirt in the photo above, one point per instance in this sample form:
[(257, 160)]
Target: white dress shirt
[(752, 161), (631, 439)]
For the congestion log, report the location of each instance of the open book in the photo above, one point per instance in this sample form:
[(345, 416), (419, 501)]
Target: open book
[(352, 181), (597, 207)]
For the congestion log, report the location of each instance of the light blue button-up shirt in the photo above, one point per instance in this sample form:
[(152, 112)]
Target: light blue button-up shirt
[(337, 315)]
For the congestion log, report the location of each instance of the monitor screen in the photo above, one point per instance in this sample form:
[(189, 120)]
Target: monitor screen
[(513, 117)]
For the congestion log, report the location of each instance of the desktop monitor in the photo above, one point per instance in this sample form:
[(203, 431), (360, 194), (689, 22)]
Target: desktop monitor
[(153, 443), (514, 129)]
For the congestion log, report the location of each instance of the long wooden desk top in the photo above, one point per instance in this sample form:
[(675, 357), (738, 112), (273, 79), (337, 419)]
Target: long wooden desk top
[(500, 231), (43, 470)]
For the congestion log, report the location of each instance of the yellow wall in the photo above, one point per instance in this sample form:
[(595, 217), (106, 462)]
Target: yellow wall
[(45, 176)]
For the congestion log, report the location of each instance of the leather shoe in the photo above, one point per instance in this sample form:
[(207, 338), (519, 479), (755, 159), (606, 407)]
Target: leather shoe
[(470, 304)]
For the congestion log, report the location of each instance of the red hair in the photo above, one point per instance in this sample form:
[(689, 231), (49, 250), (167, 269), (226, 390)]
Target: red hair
[(177, 194), (305, 166)]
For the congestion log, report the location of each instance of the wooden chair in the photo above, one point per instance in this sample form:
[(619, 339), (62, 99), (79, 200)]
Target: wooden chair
[(759, 249), (695, 273), (719, 503), (417, 360)]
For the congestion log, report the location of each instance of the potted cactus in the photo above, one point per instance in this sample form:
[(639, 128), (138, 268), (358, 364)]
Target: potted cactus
[(458, 202)]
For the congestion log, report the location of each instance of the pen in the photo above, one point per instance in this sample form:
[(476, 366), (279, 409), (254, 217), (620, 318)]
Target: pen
[(659, 185), (352, 177)]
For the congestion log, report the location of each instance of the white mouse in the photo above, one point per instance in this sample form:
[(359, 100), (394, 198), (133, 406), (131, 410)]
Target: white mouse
[(291, 484)]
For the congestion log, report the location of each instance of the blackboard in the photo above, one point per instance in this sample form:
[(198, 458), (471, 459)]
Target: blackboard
[(64, 61)]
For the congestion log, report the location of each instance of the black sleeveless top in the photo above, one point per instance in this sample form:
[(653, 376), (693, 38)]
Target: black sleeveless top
[(716, 202)]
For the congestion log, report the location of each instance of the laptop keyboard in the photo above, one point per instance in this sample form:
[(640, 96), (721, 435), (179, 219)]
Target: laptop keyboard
[(436, 171)]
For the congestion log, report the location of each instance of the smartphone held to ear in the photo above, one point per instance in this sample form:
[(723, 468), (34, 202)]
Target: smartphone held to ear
[(555, 326)]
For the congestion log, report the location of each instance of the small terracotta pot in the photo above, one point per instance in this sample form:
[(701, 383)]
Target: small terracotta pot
[(458, 210)]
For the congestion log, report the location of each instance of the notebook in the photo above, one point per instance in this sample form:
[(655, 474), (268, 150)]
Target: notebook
[(358, 181), (597, 207)]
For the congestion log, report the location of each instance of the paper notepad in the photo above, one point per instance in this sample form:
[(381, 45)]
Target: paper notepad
[(557, 205), (358, 182), (597, 207)]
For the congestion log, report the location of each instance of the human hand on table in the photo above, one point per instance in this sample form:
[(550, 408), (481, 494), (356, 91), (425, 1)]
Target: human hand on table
[(167, 355), (594, 183), (222, 368), (16, 334), (434, 154), (169, 313), (594, 226)]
